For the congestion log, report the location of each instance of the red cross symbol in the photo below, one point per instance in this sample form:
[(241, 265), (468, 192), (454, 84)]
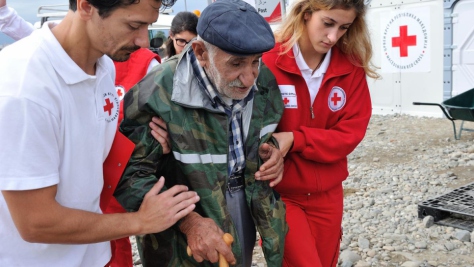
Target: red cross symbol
[(335, 99), (119, 92), (108, 106), (404, 41), (286, 100)]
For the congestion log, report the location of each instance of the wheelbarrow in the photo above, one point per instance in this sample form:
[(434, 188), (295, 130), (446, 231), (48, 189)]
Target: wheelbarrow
[(460, 107)]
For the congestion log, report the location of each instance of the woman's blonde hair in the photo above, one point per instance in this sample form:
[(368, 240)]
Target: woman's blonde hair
[(355, 43)]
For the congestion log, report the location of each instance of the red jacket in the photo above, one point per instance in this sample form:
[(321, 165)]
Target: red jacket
[(130, 72), (342, 109)]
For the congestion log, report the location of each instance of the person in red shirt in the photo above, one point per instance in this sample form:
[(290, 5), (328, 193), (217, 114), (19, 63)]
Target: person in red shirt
[(320, 60)]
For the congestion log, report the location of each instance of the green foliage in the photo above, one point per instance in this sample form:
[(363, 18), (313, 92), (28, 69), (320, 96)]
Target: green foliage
[(158, 33)]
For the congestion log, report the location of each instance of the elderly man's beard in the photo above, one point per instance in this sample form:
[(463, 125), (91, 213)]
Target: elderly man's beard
[(223, 87)]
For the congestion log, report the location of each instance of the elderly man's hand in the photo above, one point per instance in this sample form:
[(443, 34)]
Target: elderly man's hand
[(3, 3), (205, 239), (272, 168), (160, 133)]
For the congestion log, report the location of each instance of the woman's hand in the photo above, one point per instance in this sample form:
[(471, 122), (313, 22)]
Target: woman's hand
[(285, 141)]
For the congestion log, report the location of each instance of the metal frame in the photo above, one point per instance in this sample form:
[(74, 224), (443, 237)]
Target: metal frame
[(448, 48)]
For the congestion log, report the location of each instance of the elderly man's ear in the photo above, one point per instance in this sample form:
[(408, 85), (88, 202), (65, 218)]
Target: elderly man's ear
[(200, 51)]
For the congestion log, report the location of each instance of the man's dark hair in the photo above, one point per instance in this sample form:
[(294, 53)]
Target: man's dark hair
[(106, 7)]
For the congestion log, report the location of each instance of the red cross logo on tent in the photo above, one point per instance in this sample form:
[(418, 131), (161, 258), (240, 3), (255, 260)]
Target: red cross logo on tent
[(336, 98), (286, 101), (108, 106), (404, 41)]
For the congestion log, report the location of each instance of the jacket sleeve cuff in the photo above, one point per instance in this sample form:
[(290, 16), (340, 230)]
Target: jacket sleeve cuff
[(298, 142)]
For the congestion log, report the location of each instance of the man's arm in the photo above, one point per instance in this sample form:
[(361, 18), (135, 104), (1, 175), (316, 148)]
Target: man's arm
[(272, 157), (148, 161), (41, 219), (144, 164), (13, 25)]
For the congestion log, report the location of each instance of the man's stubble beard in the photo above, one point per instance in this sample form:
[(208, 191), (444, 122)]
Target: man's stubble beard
[(123, 54)]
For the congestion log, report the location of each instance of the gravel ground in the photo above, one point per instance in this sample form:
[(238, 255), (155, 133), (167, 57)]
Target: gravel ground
[(402, 161)]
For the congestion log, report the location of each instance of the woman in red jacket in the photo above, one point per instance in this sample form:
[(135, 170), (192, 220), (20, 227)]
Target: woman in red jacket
[(320, 61)]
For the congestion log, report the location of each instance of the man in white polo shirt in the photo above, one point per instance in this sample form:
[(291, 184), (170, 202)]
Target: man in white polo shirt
[(58, 118)]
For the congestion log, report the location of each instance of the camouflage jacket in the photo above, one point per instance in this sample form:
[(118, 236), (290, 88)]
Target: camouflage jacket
[(199, 140)]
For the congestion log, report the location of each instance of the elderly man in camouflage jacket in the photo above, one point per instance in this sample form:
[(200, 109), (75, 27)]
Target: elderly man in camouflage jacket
[(220, 105)]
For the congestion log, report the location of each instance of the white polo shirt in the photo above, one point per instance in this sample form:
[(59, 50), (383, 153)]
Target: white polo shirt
[(57, 126), (313, 80)]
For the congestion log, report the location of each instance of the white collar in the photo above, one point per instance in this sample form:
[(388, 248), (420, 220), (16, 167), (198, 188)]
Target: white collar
[(302, 63)]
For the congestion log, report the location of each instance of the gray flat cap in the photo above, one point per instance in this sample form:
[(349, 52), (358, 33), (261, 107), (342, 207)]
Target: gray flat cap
[(235, 27)]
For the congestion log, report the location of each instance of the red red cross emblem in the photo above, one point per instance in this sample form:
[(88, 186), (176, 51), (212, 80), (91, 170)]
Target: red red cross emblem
[(108, 106), (286, 100), (335, 98), (403, 41)]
